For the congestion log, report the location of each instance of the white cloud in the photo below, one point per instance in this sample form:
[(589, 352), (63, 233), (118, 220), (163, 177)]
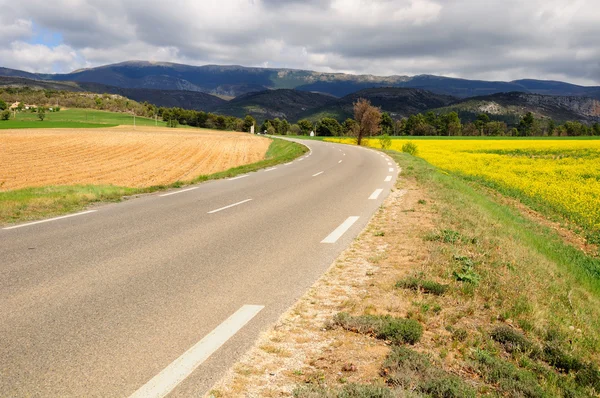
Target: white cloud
[(492, 39), (40, 58)]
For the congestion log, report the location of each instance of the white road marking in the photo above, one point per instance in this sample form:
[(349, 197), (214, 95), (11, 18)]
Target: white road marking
[(389, 163), (341, 230), (237, 178), (287, 164), (318, 174), (51, 219), (388, 178), (344, 153), (164, 382), (176, 192), (271, 169), (375, 194), (230, 206), (391, 169), (340, 161)]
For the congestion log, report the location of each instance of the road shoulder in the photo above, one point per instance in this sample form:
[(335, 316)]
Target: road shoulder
[(299, 348)]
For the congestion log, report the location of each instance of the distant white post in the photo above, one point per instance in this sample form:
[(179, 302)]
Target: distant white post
[(252, 129)]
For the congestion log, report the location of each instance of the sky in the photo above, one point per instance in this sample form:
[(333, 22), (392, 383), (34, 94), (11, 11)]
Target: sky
[(475, 39)]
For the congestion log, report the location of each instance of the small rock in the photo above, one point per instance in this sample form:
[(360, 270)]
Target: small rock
[(349, 367)]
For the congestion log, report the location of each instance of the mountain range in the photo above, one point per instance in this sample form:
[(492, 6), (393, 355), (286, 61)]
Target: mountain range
[(294, 94)]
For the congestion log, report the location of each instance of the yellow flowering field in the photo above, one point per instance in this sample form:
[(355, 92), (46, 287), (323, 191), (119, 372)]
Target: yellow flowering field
[(558, 175)]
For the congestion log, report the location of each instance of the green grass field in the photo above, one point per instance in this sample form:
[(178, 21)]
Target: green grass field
[(76, 118)]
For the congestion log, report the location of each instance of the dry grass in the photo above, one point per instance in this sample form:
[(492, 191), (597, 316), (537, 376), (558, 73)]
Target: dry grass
[(433, 229), (121, 156), (360, 281)]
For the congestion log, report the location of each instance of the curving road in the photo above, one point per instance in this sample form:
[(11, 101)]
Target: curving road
[(163, 293)]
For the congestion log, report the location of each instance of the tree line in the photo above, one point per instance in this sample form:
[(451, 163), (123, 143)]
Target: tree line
[(432, 124), (428, 124)]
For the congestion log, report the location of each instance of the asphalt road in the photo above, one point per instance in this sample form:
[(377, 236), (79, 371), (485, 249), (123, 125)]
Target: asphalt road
[(99, 304)]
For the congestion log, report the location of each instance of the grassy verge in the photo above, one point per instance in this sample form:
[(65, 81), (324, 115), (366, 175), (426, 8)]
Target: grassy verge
[(41, 202), (449, 292)]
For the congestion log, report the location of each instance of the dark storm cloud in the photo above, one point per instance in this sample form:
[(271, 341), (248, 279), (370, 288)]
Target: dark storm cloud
[(494, 39)]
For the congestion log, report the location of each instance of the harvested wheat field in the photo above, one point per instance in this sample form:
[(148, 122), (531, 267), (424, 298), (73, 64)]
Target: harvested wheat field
[(120, 155)]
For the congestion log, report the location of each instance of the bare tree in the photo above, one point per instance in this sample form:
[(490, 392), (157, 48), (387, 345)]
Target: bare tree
[(368, 118)]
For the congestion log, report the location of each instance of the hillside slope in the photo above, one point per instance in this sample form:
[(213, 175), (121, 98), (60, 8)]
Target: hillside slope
[(283, 103), (232, 80), (399, 102), (510, 107), (168, 98)]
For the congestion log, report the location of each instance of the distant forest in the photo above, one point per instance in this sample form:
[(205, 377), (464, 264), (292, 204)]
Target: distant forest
[(428, 124)]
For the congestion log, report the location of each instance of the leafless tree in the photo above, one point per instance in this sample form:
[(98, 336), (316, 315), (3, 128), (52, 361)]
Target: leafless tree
[(368, 117)]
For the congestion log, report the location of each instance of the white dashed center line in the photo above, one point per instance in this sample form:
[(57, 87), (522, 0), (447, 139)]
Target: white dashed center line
[(341, 230), (375, 194), (230, 206), (163, 383)]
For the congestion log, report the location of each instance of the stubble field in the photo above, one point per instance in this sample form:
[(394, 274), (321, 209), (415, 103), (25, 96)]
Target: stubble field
[(120, 155)]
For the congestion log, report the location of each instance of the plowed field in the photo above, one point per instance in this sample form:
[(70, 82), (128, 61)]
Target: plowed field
[(121, 156)]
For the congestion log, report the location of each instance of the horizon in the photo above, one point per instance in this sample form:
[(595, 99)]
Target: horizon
[(296, 69)]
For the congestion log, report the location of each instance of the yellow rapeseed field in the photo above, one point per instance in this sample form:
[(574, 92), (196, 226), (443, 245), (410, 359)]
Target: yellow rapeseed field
[(562, 175)]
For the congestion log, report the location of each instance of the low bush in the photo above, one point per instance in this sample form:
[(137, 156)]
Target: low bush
[(513, 340), (348, 391), (589, 376), (410, 148), (396, 330), (413, 371), (562, 361), (424, 285), (510, 380)]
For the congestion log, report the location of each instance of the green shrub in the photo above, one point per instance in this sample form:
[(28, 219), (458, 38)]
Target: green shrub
[(414, 371), (562, 361), (348, 391), (410, 148), (512, 340), (385, 141), (466, 273), (510, 380), (446, 386), (396, 330), (589, 376), (424, 285), (400, 331)]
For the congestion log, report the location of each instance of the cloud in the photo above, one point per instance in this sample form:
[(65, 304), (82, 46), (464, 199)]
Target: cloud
[(493, 39)]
